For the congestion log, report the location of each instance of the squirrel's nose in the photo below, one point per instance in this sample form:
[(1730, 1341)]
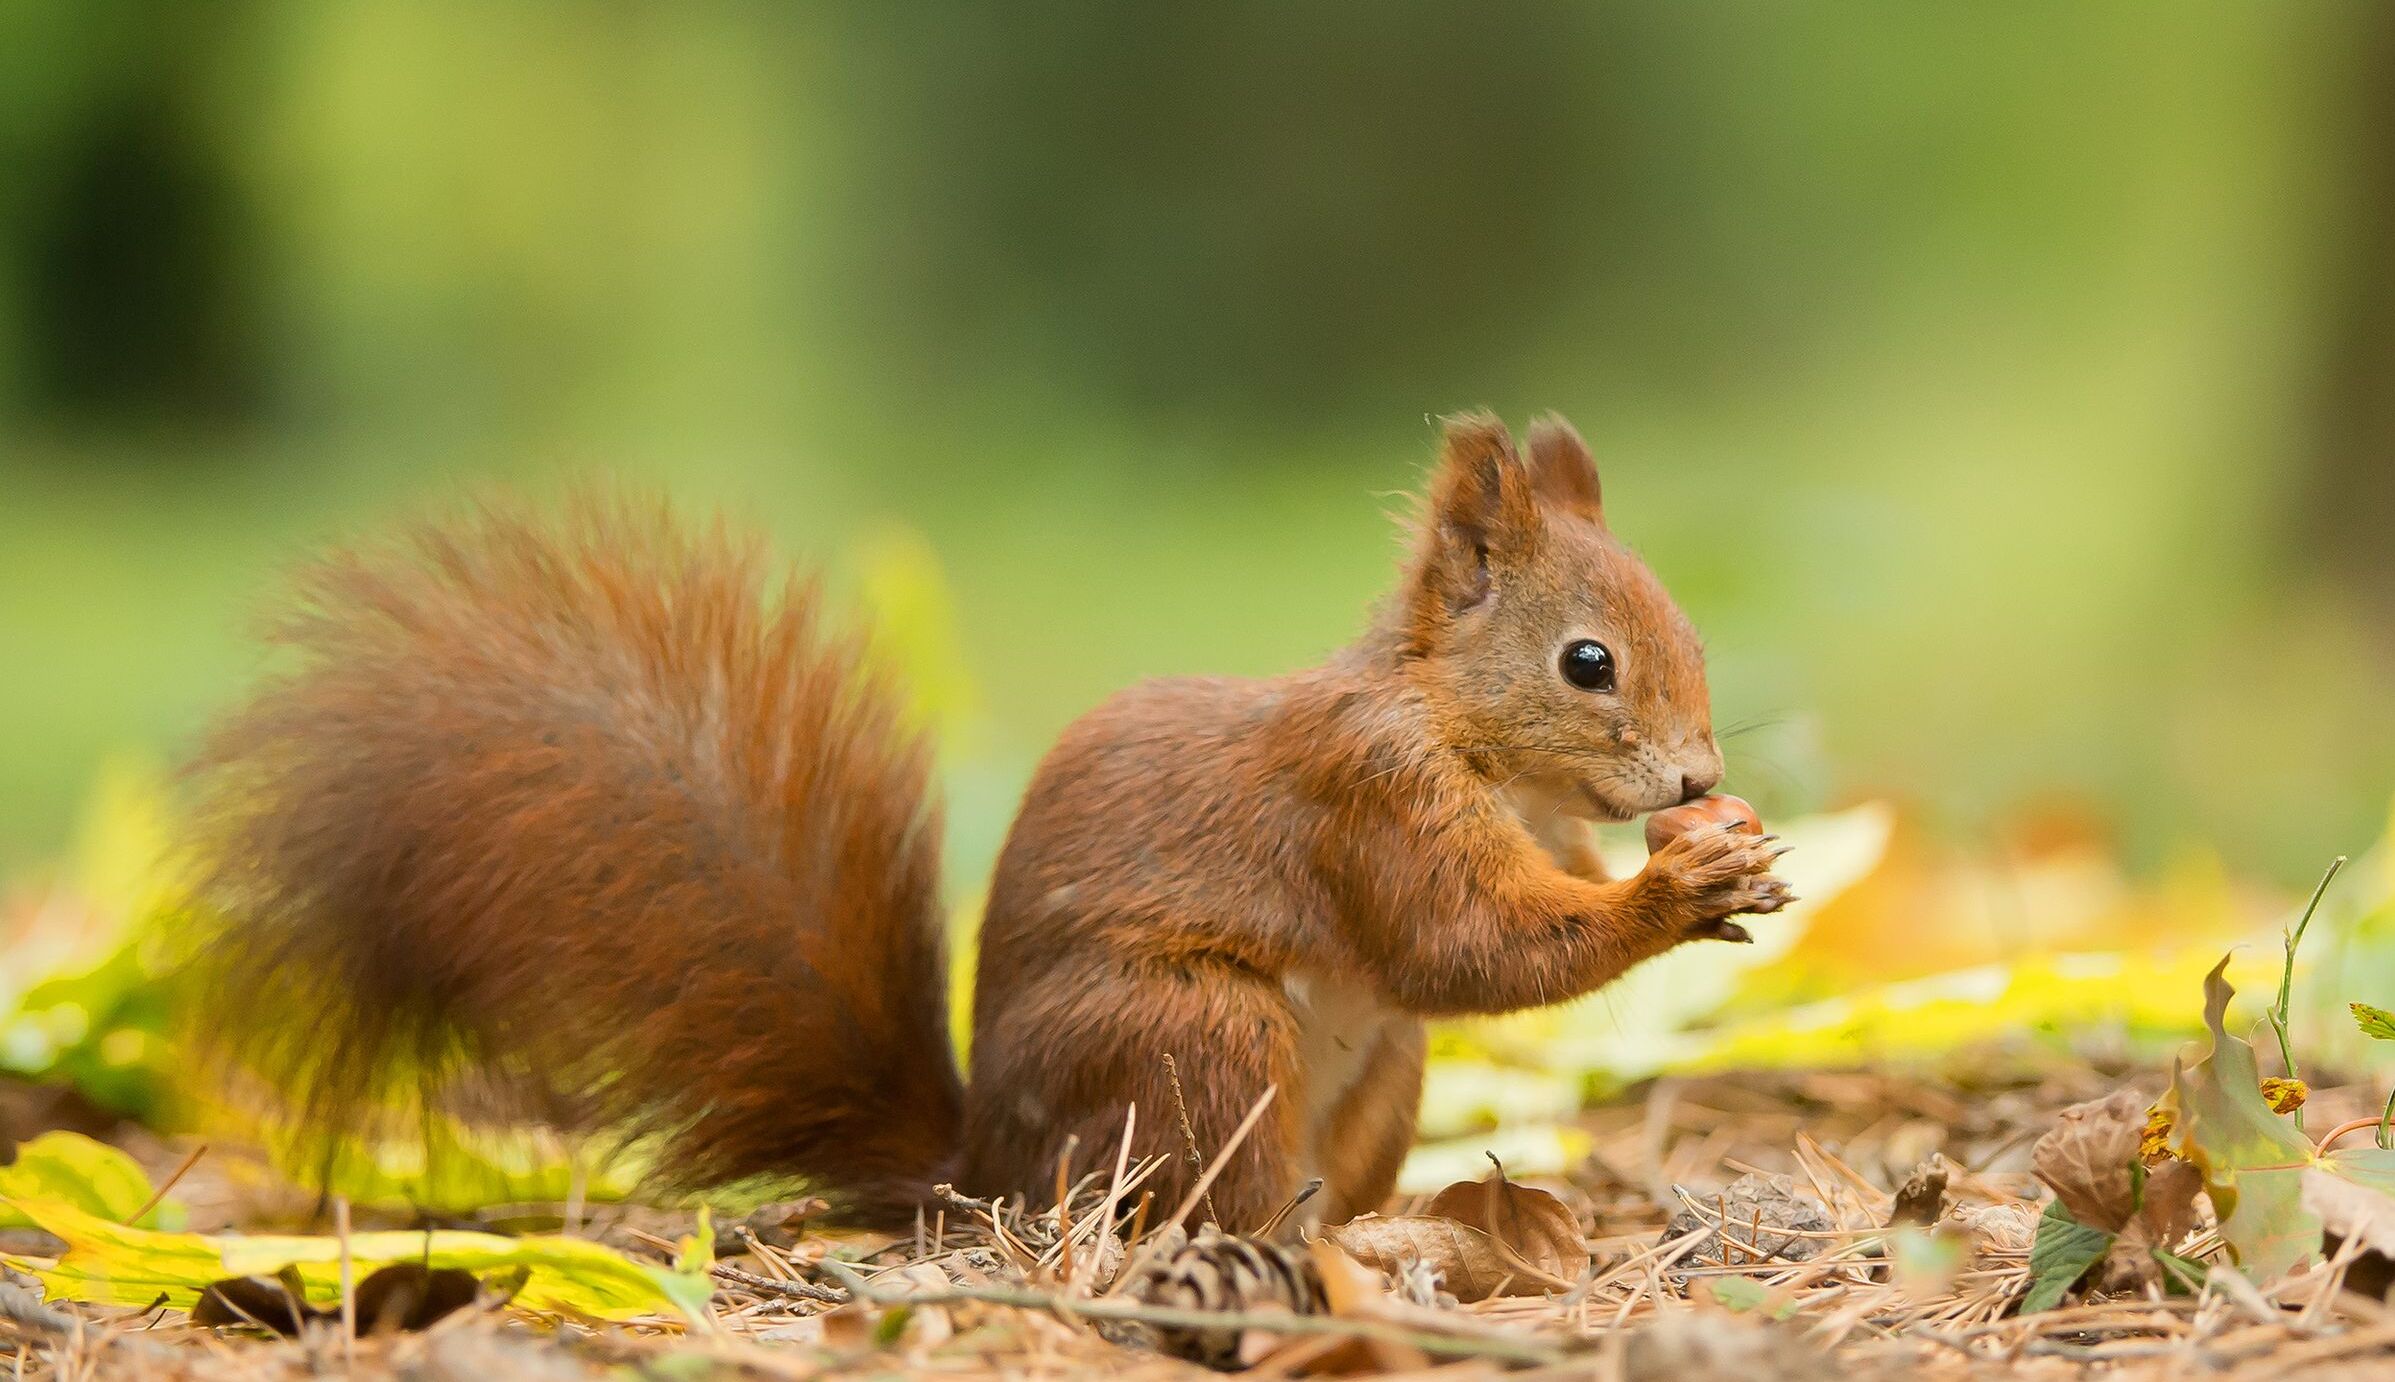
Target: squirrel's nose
[(1693, 785)]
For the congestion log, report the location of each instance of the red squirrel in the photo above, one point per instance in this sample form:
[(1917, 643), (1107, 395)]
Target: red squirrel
[(597, 815)]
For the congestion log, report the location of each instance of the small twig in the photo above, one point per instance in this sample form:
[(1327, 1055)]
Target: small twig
[(349, 1299), (770, 1286), (1304, 1193), (1198, 1191), (1504, 1346), (2278, 1011), (1114, 1190), (158, 1196), (1009, 1243), (1064, 1215), (1197, 1160)]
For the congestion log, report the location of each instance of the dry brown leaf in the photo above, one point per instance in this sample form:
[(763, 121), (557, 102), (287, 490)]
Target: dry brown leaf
[(2167, 1213), (1351, 1289), (1999, 1230), (2348, 1210), (1535, 1233), (1466, 1259), (1921, 1200), (2088, 1158), (1354, 1291)]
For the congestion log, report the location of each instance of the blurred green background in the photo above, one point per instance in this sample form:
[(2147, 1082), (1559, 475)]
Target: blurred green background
[(2009, 392)]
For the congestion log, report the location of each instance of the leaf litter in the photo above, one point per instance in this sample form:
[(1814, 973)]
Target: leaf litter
[(2053, 1219), (1002, 1289)]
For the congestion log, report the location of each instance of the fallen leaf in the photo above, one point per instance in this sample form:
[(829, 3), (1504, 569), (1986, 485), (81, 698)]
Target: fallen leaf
[(1350, 1289), (277, 1303), (1528, 1223), (90, 1175), (2089, 1159), (2353, 1192), (2062, 1252), (2252, 1159), (1737, 1294), (1355, 1291), (2166, 1201), (1466, 1259), (112, 1264), (1921, 1200), (2154, 1143), (1999, 1230), (409, 1296)]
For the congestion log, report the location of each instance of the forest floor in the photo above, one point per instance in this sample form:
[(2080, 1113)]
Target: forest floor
[(1736, 1226)]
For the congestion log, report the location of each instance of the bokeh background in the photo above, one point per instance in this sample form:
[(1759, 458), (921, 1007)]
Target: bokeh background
[(2009, 392)]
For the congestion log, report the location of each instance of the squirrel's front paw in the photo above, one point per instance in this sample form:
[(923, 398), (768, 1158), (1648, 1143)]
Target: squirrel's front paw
[(1716, 872)]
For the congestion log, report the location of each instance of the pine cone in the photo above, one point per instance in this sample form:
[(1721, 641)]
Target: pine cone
[(1217, 1271), (1757, 1212)]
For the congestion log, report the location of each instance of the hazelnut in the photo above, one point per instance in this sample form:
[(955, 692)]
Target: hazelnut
[(1666, 826)]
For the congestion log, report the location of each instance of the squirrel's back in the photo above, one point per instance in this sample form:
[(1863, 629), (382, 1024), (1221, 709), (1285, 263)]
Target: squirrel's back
[(591, 811)]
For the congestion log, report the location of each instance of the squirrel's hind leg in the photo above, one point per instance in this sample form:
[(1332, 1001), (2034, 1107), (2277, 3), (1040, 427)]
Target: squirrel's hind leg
[(1365, 1141), (1065, 1058)]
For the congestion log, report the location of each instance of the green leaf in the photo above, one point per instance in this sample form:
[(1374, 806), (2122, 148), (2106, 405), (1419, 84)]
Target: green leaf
[(2181, 1276), (2060, 1254), (2253, 1160), (1740, 1293), (111, 1264), (73, 1169), (2377, 1023)]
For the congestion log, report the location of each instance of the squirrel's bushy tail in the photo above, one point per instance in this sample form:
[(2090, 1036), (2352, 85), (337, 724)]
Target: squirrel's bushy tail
[(592, 812)]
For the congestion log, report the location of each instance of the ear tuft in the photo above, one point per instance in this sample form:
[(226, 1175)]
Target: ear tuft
[(1562, 471), (1481, 502)]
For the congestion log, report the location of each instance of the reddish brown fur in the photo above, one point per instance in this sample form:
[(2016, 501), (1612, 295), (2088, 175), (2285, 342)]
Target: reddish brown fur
[(574, 806), (1190, 845)]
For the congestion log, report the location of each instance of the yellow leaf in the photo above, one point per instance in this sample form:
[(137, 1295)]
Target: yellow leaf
[(111, 1264), (2284, 1095), (69, 1167)]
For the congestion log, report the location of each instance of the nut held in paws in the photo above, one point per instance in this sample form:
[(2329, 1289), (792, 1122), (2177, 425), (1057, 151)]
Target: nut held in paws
[(1666, 826)]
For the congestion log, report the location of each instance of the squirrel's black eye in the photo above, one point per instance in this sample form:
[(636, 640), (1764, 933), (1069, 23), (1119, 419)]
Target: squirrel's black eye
[(1588, 665)]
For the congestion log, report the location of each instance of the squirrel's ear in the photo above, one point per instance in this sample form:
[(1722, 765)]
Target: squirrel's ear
[(1561, 470), (1481, 502)]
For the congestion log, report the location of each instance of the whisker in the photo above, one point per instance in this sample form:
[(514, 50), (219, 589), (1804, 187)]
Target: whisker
[(1786, 780)]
